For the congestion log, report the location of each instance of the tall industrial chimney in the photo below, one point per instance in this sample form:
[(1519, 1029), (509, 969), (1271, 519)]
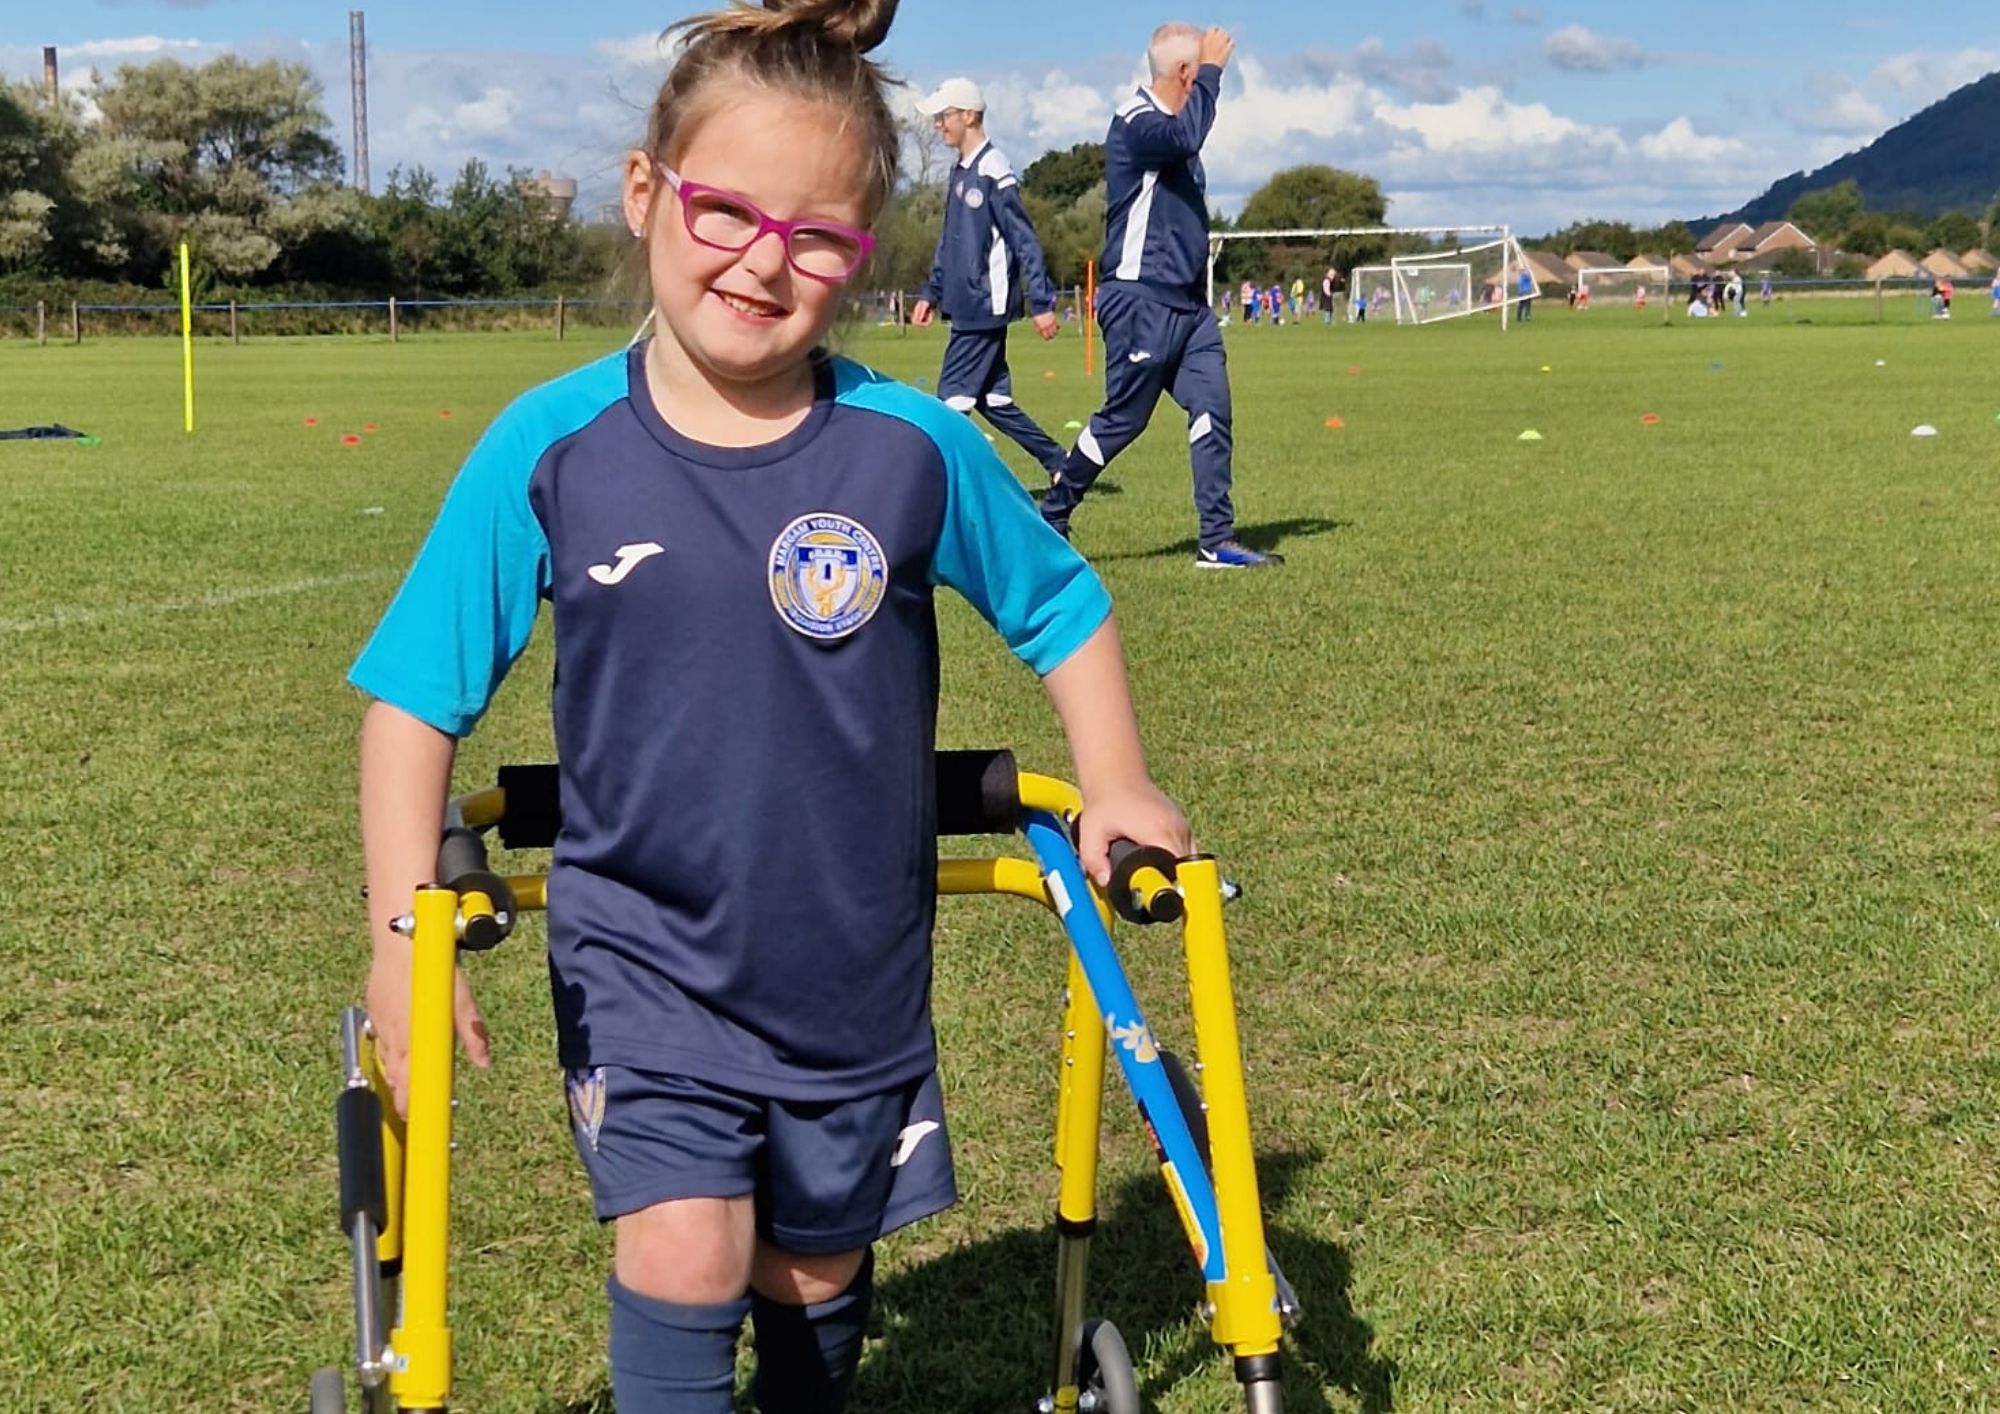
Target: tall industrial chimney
[(357, 54), (49, 84)]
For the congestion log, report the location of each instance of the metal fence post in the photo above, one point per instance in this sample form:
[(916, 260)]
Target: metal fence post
[(392, 319), (75, 324), (562, 319), (1878, 301), (235, 337), (41, 322)]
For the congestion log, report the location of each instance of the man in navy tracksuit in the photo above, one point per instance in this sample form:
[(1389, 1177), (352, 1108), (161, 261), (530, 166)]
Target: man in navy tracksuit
[(985, 250), (1159, 334)]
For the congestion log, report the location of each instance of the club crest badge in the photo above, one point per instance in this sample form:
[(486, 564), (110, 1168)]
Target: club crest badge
[(586, 1103), (828, 575), (974, 198)]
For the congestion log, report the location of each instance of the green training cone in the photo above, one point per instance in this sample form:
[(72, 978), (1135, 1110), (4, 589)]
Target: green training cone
[(1531, 435)]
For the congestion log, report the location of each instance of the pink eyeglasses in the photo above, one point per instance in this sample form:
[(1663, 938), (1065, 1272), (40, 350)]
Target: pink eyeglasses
[(722, 220)]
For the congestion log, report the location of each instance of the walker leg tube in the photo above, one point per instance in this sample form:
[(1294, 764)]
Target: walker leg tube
[(1246, 1303), (363, 1193), (421, 1345), (1079, 1120), (1072, 1264)]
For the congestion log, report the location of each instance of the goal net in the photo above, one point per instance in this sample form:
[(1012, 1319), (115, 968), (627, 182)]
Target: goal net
[(1408, 274), (1430, 290), (1462, 277), (1371, 293), (1624, 287)]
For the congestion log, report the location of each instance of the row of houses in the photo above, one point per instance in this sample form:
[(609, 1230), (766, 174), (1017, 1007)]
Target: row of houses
[(1756, 252)]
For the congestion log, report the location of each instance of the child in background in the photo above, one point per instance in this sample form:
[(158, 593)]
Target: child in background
[(739, 537)]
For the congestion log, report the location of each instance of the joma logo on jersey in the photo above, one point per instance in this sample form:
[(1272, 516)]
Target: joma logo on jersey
[(828, 575)]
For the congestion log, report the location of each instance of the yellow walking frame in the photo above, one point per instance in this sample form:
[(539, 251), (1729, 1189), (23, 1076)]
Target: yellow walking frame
[(396, 1173)]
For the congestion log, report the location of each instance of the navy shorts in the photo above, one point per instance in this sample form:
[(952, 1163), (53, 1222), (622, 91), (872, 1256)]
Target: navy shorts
[(975, 368), (827, 1176)]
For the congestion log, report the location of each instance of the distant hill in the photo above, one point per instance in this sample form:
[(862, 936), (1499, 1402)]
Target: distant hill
[(1946, 158)]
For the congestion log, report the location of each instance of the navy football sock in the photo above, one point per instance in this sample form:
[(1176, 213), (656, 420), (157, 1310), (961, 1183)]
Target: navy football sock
[(672, 1359), (806, 1355)]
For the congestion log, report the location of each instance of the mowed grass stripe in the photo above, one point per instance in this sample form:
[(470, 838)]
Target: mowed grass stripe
[(1616, 812)]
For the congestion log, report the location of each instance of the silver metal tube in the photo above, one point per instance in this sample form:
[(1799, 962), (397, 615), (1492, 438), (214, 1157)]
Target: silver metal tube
[(1072, 1268), (1263, 1397), (353, 1026), (368, 1361)]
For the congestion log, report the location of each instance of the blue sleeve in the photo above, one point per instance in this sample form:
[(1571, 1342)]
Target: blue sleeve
[(1040, 595), (466, 609), (1159, 138), (1019, 233)]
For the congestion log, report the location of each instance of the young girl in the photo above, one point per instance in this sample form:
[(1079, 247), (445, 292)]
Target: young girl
[(739, 538)]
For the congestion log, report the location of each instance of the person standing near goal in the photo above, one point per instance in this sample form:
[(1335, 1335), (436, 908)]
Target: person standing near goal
[(986, 246), (1159, 334)]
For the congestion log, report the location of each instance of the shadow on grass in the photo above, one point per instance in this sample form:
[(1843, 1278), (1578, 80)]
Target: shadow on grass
[(1267, 535), (972, 1330)]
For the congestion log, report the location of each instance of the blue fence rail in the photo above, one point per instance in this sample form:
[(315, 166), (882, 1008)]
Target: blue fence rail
[(71, 320)]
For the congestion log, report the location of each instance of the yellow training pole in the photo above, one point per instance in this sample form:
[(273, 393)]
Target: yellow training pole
[(187, 343)]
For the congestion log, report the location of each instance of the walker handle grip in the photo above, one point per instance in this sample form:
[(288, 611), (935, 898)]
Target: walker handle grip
[(462, 869), (1142, 886)]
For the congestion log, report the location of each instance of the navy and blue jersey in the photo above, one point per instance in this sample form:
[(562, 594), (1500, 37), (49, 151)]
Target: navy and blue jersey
[(745, 700), (1156, 225), (987, 250)]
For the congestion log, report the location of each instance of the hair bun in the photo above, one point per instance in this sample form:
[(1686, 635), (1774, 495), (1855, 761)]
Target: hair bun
[(863, 24)]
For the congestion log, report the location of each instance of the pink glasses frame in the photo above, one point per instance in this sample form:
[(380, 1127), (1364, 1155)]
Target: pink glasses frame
[(766, 224)]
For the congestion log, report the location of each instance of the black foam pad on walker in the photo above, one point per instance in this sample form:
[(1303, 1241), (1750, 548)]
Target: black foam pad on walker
[(978, 793), (533, 816)]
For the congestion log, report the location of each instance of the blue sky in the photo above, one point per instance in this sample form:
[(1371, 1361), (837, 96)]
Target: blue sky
[(1465, 110)]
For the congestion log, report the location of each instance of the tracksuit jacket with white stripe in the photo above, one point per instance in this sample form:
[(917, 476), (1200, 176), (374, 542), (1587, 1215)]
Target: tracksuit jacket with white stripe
[(987, 248), (1156, 228)]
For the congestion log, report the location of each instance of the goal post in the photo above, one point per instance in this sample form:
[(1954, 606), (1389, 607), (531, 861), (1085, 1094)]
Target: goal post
[(1371, 292), (1626, 287), (1492, 254)]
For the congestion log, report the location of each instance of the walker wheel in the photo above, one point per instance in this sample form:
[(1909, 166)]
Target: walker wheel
[(329, 1391), (1104, 1377)]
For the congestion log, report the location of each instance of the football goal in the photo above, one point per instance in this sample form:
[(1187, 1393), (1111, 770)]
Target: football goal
[(1371, 293), (1430, 290), (1411, 274), (1640, 288)]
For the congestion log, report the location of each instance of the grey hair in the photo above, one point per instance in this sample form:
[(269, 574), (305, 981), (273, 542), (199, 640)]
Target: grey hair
[(1174, 42)]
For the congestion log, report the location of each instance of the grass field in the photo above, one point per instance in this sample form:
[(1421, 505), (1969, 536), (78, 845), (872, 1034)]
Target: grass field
[(1618, 815)]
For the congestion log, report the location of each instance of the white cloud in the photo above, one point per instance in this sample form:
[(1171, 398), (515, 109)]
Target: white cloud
[(1839, 113), (1679, 142), (141, 46), (1582, 50), (489, 115), (638, 51), (1921, 78), (1836, 108)]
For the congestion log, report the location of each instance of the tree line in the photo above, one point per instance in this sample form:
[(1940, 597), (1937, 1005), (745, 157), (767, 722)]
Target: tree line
[(239, 159)]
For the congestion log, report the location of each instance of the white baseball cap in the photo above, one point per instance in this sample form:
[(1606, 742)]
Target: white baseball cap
[(953, 93)]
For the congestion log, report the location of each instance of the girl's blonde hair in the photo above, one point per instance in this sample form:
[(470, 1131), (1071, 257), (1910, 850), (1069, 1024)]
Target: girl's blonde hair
[(815, 50)]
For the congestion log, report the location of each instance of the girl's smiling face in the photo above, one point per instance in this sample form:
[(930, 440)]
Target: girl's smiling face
[(747, 317)]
